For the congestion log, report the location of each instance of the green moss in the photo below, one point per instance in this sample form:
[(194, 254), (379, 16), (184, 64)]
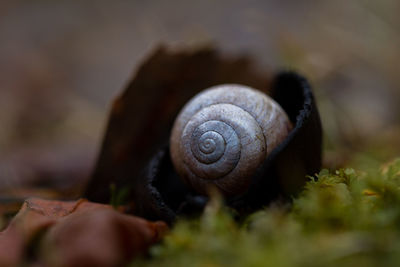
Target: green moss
[(119, 196), (345, 218)]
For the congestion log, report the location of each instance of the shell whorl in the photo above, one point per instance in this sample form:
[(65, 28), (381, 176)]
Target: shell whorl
[(222, 136)]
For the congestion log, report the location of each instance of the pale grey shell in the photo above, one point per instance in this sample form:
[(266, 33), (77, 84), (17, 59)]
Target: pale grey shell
[(223, 134)]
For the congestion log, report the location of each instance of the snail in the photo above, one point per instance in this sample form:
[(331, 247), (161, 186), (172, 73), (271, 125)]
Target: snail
[(148, 159), (223, 135)]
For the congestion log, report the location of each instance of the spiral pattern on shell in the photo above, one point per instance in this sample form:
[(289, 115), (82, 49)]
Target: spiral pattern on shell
[(223, 135)]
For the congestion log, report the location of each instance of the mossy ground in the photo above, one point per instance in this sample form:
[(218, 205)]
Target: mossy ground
[(343, 218)]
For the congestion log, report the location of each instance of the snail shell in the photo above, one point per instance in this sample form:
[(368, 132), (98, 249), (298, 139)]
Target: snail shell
[(223, 134)]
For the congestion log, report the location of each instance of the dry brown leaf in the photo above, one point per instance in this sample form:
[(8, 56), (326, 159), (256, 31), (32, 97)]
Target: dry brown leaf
[(75, 232), (98, 238)]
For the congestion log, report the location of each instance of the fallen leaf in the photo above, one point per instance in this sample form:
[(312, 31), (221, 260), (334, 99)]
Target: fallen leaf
[(99, 238), (75, 232)]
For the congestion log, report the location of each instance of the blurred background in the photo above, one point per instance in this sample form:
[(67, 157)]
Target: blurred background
[(62, 62)]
